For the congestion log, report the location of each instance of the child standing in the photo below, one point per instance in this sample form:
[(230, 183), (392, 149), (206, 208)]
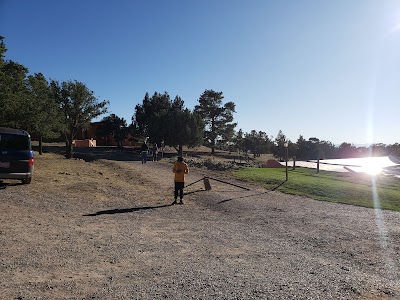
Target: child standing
[(180, 169)]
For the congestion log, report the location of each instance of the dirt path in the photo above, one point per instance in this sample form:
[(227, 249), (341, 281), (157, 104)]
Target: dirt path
[(106, 230)]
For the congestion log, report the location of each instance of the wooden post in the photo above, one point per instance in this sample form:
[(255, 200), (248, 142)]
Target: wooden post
[(294, 162), (318, 166), (207, 184), (286, 159)]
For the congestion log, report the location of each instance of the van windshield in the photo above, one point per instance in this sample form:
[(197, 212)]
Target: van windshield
[(14, 142)]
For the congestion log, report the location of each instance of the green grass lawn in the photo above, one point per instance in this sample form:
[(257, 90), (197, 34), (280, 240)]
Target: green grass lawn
[(348, 188)]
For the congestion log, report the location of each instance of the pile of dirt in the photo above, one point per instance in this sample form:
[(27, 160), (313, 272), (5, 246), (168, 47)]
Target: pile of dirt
[(272, 163)]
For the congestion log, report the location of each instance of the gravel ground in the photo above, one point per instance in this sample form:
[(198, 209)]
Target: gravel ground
[(124, 240)]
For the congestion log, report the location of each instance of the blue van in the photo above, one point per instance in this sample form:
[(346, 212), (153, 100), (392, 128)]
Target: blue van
[(16, 155)]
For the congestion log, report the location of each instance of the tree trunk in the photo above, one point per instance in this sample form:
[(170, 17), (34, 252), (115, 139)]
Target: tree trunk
[(119, 144), (213, 137), (40, 145), (180, 150), (69, 148)]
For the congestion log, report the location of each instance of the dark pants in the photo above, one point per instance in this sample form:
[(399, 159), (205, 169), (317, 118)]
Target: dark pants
[(179, 189), (144, 158)]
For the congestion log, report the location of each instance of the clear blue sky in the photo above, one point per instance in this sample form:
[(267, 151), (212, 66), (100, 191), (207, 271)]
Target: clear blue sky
[(319, 68)]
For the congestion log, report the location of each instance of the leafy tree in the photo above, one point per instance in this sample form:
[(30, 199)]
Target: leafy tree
[(279, 149), (44, 117), (166, 120), (140, 117), (25, 102), (257, 143), (3, 85), (115, 126), (302, 148), (238, 141), (326, 149), (3, 50), (346, 150), (13, 109), (217, 118), (378, 149), (177, 128), (79, 107), (186, 128), (394, 149), (314, 149), (150, 107), (171, 124)]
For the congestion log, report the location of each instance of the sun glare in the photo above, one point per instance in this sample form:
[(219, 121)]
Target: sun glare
[(373, 170), (371, 167)]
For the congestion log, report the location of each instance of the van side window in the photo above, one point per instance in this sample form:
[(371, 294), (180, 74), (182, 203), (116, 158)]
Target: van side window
[(13, 142)]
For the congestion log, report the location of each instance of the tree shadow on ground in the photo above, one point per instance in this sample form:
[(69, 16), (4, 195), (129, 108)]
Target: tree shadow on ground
[(109, 153), (125, 210), (90, 154)]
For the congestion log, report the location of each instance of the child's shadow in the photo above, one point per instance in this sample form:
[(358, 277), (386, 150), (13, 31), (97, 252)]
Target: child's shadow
[(124, 210)]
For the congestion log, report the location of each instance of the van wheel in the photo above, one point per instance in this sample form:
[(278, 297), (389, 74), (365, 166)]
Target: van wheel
[(27, 180)]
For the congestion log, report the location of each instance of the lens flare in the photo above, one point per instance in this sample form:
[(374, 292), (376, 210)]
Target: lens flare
[(383, 235)]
